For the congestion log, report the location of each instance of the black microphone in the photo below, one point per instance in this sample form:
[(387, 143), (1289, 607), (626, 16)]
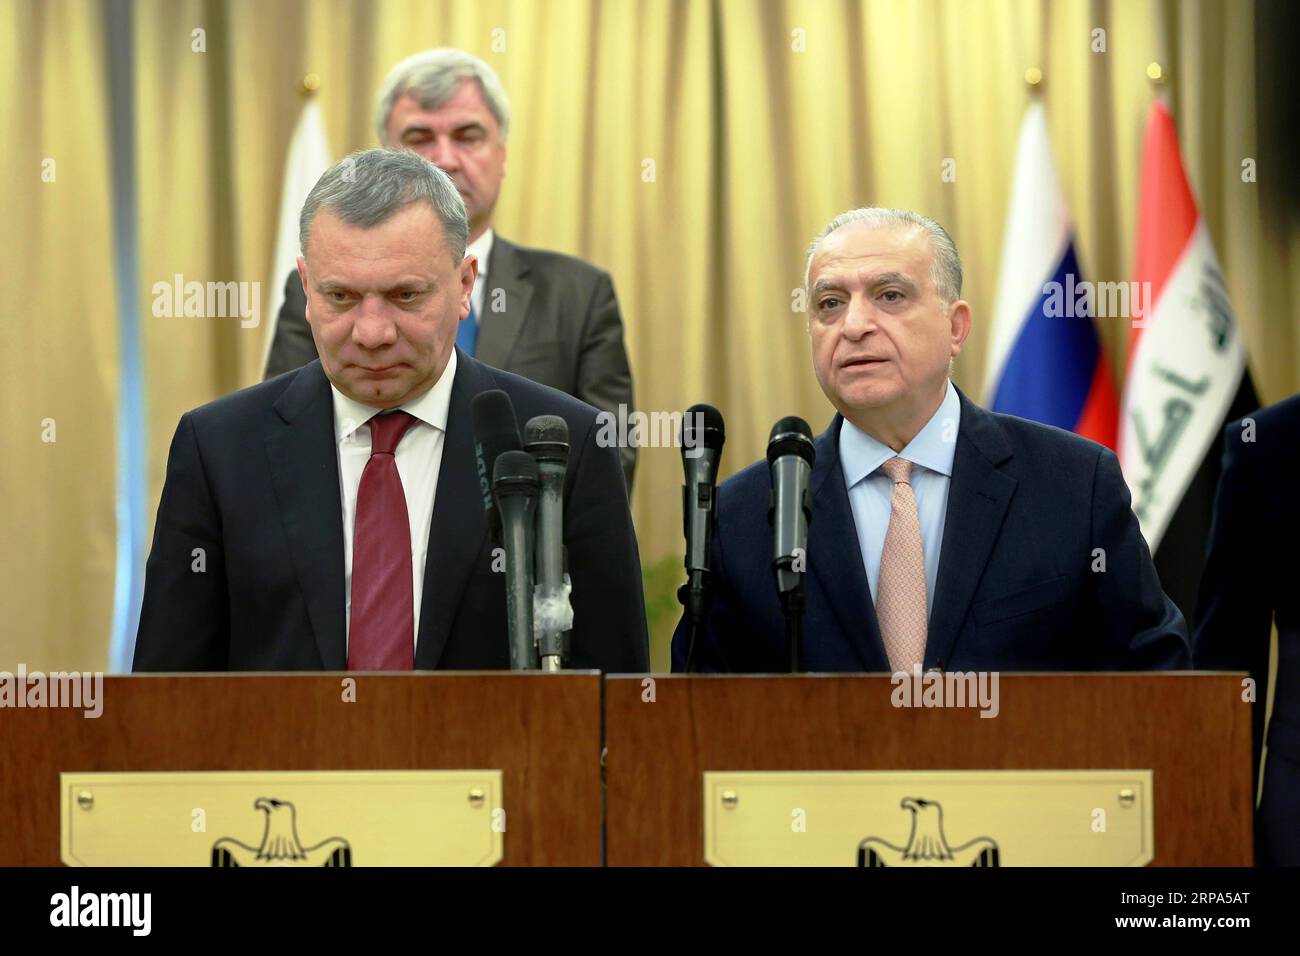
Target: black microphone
[(702, 438), (790, 456), (495, 431), (546, 438), (514, 486)]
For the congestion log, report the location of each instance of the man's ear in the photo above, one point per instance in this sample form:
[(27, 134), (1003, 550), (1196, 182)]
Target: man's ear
[(468, 273), (302, 277), (959, 320)]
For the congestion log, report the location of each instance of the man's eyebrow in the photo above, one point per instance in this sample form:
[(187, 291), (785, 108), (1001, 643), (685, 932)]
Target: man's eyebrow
[(888, 278), (871, 282), (327, 286), (822, 285), (426, 128)]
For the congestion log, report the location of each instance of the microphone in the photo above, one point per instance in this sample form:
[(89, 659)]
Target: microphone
[(702, 438), (495, 432), (790, 455), (546, 438), (514, 486)]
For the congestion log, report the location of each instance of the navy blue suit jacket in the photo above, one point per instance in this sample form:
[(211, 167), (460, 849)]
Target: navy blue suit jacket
[(1027, 506), (253, 480), (1249, 582)]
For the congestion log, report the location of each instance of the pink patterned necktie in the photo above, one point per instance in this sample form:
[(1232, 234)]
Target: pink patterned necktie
[(900, 591), (381, 636)]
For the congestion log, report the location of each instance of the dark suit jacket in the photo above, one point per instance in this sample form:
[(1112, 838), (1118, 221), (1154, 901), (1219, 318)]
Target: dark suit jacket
[(559, 325), (1027, 504), (253, 479), (1250, 579)]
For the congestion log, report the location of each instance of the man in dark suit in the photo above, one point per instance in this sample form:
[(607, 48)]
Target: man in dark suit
[(331, 518), (546, 316), (942, 535), (1249, 583)]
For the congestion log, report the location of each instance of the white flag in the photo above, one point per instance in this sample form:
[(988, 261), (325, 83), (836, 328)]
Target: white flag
[(308, 158)]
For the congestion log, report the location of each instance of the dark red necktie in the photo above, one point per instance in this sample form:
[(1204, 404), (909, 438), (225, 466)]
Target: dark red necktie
[(382, 630)]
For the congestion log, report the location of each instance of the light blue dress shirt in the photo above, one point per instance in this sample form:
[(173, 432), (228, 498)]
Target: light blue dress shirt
[(871, 492)]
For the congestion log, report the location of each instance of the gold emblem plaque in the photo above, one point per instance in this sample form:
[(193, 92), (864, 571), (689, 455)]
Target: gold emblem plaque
[(929, 818), (293, 818)]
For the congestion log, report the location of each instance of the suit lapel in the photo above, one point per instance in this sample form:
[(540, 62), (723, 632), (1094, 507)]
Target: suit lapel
[(509, 288), (835, 556), (978, 497), (305, 476), (458, 527)]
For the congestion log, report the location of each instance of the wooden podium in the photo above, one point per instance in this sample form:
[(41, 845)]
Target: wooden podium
[(1190, 731), (541, 731), (1104, 752)]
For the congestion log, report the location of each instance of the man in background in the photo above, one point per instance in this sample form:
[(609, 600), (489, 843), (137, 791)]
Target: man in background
[(543, 315)]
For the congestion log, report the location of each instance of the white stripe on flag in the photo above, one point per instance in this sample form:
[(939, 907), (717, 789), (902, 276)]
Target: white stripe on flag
[(1182, 379), (1037, 232), (307, 160)]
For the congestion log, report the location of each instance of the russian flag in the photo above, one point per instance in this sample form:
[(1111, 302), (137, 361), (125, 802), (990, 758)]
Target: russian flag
[(1045, 360)]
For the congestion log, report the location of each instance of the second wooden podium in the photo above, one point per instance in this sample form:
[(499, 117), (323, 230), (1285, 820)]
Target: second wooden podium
[(1064, 769)]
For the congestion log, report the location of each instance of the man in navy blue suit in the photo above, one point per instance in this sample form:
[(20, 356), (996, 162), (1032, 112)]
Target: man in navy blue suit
[(1249, 584), (942, 535), (331, 518)]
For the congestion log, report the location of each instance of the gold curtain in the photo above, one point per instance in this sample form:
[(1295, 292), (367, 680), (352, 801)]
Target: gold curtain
[(59, 339), (690, 147)]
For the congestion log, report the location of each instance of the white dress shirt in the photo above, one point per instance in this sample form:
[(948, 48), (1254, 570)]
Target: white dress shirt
[(871, 492), (481, 247), (419, 458)]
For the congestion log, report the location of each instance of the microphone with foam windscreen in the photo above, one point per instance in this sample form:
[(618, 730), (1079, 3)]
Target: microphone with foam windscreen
[(546, 438), (495, 431), (790, 456), (702, 437), (514, 488)]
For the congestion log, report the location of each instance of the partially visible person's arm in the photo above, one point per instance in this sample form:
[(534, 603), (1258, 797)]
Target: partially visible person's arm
[(604, 375), (609, 623), (185, 615), (1234, 615), (1144, 627)]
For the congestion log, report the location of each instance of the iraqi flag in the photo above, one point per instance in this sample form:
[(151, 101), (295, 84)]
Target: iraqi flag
[(1045, 361), (1186, 369)]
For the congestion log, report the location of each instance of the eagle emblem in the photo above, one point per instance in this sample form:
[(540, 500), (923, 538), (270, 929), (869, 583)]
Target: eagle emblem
[(927, 845), (280, 844)]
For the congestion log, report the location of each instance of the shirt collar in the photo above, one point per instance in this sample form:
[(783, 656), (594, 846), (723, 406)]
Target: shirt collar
[(430, 408), (932, 448), (482, 248)]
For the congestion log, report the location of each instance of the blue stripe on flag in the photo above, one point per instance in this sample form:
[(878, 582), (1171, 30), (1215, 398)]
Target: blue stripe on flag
[(1049, 372)]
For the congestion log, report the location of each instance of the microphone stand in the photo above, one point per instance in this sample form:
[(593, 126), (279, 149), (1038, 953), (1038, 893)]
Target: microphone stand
[(792, 606), (694, 598)]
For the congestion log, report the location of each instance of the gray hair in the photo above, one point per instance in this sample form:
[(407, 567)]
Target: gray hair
[(368, 187), (946, 267), (432, 77)]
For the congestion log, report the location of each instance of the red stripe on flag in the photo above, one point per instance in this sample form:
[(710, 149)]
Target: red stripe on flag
[(1166, 209), (1099, 419)]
